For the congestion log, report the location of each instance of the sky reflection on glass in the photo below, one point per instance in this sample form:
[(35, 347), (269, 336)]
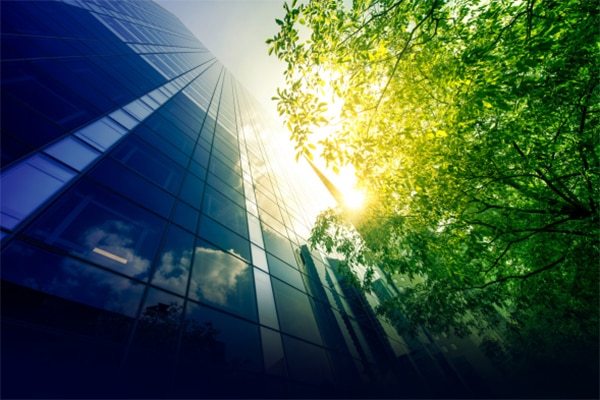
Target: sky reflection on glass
[(222, 280)]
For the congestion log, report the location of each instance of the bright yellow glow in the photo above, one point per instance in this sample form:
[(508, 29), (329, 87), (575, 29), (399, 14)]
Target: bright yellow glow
[(345, 181), (354, 198)]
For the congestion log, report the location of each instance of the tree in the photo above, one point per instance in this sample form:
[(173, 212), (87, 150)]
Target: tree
[(473, 127)]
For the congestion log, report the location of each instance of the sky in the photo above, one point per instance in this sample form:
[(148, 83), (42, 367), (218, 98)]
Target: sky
[(235, 32)]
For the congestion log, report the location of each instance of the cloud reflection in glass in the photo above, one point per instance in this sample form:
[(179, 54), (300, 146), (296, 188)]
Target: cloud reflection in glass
[(222, 280)]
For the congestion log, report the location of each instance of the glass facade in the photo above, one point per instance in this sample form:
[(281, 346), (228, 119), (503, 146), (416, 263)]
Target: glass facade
[(153, 231)]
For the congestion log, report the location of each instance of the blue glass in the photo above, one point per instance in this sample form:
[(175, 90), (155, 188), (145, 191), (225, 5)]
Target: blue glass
[(223, 281), (186, 216), (274, 357), (68, 278), (192, 190), (222, 171), (82, 75), (197, 169), (102, 133), (73, 152), (285, 272), (161, 144), (225, 211), (133, 186), (159, 321), (124, 118), (224, 238), (201, 155), (170, 133), (278, 245), (28, 185), (213, 337), (227, 154), (102, 228), (151, 356), (150, 163), (181, 108), (45, 96), (295, 312), (174, 261), (226, 189), (306, 362)]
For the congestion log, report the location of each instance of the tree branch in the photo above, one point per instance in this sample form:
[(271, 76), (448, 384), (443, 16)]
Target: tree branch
[(398, 59), (548, 182), (505, 278)]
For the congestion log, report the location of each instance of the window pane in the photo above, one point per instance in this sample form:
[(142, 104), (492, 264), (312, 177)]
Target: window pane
[(307, 362), (65, 277), (124, 118), (224, 238), (174, 263), (227, 190), (152, 354), (73, 153), (264, 294), (103, 228), (295, 312), (259, 257), (278, 245), (192, 190), (285, 272), (129, 184), (233, 340), (150, 163), (225, 211), (255, 230), (186, 216), (28, 185), (273, 352), (223, 281), (101, 134)]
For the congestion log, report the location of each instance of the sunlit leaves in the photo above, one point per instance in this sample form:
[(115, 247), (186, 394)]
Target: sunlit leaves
[(475, 128)]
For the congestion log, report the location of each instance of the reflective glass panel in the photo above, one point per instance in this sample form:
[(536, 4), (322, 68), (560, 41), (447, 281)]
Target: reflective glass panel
[(28, 185), (295, 312), (192, 190), (224, 238), (307, 362), (213, 338), (278, 245), (73, 153), (65, 277), (222, 280), (255, 230), (174, 262), (101, 227), (130, 184), (285, 272), (264, 295), (225, 211), (186, 216), (273, 352), (159, 322), (150, 163)]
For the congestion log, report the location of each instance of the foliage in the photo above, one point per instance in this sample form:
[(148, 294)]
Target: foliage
[(473, 126)]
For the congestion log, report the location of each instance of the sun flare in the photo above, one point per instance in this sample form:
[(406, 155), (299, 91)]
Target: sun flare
[(354, 198), (345, 180)]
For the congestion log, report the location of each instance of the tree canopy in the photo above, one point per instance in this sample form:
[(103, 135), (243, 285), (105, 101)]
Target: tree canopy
[(473, 127)]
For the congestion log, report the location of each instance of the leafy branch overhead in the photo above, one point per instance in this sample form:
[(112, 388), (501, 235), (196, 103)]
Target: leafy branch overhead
[(474, 127)]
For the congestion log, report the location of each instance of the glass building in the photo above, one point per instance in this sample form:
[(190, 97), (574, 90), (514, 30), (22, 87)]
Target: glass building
[(153, 232)]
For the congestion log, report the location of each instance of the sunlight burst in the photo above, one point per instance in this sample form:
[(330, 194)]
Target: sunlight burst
[(345, 180)]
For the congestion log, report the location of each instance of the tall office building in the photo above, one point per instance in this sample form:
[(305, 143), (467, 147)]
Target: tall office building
[(153, 239)]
